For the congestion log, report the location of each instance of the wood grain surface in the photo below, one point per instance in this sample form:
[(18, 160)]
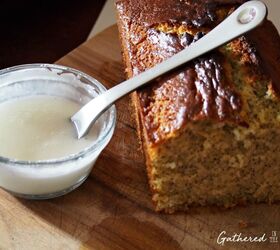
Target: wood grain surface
[(113, 209)]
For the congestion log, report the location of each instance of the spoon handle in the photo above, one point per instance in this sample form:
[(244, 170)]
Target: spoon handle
[(245, 18)]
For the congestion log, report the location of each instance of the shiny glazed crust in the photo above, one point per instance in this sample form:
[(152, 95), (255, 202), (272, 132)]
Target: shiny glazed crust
[(202, 89)]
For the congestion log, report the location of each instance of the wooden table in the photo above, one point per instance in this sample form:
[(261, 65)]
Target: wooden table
[(113, 209)]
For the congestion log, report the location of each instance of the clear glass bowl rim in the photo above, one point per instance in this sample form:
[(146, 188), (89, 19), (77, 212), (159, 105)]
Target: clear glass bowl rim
[(109, 128)]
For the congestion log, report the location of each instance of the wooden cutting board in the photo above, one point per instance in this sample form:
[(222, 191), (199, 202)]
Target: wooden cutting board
[(113, 209)]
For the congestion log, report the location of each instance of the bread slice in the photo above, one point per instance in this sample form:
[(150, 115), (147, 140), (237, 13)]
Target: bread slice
[(210, 130)]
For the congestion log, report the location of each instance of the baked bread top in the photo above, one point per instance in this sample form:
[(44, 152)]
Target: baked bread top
[(222, 86), (197, 13)]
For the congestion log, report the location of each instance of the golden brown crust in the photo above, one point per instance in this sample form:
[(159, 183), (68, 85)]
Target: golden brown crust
[(196, 13), (135, 102), (200, 90)]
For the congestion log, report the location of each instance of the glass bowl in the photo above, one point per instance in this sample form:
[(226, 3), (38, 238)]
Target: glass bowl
[(51, 178)]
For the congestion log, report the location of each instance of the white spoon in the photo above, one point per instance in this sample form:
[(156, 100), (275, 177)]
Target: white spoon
[(245, 18)]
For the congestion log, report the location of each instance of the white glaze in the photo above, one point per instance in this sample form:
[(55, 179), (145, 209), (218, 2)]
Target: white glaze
[(38, 128)]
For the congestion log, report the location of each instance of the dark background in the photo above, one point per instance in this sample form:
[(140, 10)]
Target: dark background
[(43, 31)]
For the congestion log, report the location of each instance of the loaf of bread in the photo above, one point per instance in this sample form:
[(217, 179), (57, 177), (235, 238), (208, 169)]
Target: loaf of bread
[(211, 129)]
